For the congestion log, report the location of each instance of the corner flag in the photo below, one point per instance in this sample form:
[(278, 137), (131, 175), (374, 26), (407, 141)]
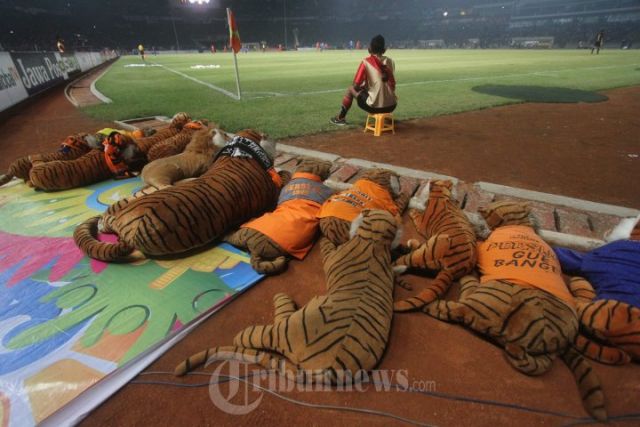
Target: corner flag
[(234, 42), (234, 35)]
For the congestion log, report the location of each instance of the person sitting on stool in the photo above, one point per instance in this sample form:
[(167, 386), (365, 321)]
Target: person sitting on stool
[(374, 85)]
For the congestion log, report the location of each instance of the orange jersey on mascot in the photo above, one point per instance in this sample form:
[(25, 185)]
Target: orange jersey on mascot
[(294, 223), (517, 254), (364, 194)]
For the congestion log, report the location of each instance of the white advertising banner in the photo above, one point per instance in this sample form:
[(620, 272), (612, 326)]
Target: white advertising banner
[(12, 90)]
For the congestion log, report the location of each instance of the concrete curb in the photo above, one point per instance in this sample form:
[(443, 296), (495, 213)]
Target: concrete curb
[(290, 149), (558, 200)]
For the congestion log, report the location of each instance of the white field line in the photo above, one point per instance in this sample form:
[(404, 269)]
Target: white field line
[(193, 79), (96, 92), (542, 73)]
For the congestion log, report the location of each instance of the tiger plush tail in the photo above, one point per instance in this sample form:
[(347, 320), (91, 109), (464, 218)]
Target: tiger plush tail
[(18, 168), (435, 290), (267, 360), (588, 384), (424, 256), (86, 237), (5, 178)]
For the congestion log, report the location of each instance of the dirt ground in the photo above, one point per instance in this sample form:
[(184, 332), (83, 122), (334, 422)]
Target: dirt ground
[(578, 150), (574, 150)]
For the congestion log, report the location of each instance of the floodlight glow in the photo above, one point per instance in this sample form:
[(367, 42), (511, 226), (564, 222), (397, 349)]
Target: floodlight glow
[(199, 1), (445, 13)]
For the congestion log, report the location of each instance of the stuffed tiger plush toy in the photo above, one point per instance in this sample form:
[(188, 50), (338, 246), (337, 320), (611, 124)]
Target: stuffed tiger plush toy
[(521, 302), (610, 329), (177, 123), (177, 143), (376, 189), (120, 158), (292, 227), (196, 158), (71, 148), (240, 184), (334, 338), (451, 248), (607, 292)]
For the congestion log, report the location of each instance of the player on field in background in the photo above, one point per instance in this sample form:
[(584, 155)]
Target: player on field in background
[(141, 51), (374, 85), (598, 43)]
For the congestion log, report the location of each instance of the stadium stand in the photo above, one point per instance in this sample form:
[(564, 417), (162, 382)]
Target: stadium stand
[(122, 24)]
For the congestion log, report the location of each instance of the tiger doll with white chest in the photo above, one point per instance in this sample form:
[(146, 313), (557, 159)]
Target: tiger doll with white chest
[(521, 302), (336, 337), (240, 184), (450, 248), (375, 189), (291, 229)]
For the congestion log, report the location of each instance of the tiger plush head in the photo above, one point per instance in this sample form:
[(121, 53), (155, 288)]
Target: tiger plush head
[(377, 226), (628, 228), (384, 178), (267, 145), (123, 148), (179, 120), (508, 212), (320, 168), (203, 142), (442, 188), (220, 138), (83, 139)]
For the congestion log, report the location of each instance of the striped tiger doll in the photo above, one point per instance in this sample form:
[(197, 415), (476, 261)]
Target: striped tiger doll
[(120, 156), (610, 329), (71, 148), (450, 250), (376, 189), (521, 301), (607, 293), (177, 123), (291, 229), (531, 325), (177, 143), (239, 185), (336, 337)]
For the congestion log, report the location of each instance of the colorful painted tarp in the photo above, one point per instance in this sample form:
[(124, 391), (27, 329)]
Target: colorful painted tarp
[(66, 321)]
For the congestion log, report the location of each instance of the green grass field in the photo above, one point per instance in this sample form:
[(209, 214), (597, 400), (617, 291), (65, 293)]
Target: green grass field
[(295, 93)]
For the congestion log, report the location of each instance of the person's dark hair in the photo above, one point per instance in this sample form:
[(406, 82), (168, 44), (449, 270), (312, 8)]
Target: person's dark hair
[(376, 47)]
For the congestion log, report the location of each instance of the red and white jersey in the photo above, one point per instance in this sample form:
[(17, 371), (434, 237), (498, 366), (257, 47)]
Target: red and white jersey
[(376, 75)]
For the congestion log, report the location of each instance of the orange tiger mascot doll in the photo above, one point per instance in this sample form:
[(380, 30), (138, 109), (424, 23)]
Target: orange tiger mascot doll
[(290, 229), (376, 189), (240, 184), (119, 158), (336, 337), (607, 293), (521, 302), (450, 250), (71, 148)]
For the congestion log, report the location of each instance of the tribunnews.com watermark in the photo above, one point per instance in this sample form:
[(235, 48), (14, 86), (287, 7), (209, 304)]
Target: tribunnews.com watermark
[(244, 387)]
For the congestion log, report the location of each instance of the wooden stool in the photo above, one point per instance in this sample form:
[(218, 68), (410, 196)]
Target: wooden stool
[(383, 123)]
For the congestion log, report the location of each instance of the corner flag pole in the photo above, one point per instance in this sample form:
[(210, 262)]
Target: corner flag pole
[(233, 32)]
